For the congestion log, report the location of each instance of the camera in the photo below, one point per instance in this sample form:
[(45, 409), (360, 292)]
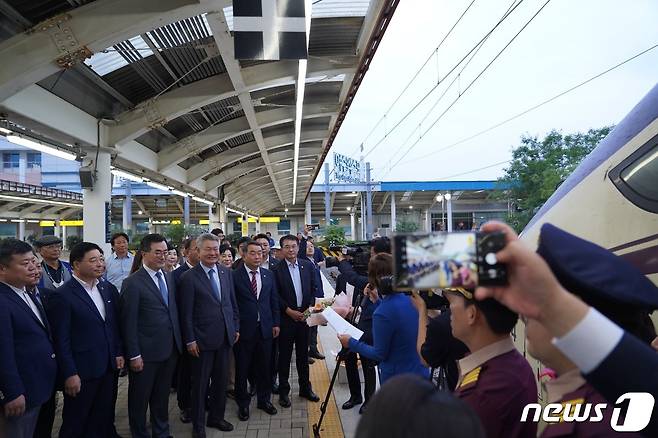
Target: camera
[(440, 260), (358, 255)]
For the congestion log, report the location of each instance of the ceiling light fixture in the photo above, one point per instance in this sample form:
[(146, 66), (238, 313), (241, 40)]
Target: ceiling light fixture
[(299, 104), (38, 146)]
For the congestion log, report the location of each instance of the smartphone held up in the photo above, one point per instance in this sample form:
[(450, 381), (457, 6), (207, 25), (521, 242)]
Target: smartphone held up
[(442, 260)]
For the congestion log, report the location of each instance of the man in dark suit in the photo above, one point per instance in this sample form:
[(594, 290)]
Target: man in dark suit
[(257, 297), (27, 357), (210, 324), (46, 418), (270, 263), (152, 339), (84, 320), (296, 284), (184, 368)]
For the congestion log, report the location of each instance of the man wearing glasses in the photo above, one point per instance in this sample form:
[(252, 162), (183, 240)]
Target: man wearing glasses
[(152, 338), (296, 283)]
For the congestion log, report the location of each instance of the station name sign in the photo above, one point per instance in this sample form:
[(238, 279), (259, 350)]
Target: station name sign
[(346, 169)]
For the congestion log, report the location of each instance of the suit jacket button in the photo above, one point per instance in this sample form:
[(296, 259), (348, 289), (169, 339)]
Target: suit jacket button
[(52, 356)]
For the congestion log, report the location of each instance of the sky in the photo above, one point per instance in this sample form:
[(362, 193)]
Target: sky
[(567, 43)]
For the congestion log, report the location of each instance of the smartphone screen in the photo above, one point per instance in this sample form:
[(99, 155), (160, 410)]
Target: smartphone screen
[(436, 260)]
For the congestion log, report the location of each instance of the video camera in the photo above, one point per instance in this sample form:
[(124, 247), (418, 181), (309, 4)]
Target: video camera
[(357, 254)]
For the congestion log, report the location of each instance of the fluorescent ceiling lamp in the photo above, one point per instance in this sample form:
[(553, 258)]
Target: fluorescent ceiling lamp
[(126, 175), (179, 193), (156, 185), (37, 146), (6, 131), (39, 201), (447, 196), (204, 201), (299, 104), (233, 211)]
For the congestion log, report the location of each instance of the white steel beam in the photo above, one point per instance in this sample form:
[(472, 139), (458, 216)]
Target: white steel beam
[(224, 40), (210, 165), (197, 143), (29, 57), (182, 100)]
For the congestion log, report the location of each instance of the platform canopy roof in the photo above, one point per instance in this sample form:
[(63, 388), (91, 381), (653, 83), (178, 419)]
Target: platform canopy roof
[(156, 83)]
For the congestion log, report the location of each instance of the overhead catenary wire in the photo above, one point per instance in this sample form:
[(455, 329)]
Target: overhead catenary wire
[(434, 52), (534, 107), (455, 79), (474, 48), (470, 84)]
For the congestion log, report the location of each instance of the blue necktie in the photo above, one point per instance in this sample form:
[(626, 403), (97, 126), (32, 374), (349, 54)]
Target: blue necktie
[(213, 284), (163, 288)]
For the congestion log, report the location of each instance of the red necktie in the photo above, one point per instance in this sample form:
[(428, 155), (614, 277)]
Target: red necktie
[(254, 284)]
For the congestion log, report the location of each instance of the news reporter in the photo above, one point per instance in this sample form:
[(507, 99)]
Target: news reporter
[(395, 326), (381, 245)]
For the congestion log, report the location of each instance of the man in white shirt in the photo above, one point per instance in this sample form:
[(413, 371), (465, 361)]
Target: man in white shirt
[(119, 263), (84, 319), (152, 340)]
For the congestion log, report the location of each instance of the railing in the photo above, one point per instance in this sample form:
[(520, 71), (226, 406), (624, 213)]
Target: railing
[(17, 188)]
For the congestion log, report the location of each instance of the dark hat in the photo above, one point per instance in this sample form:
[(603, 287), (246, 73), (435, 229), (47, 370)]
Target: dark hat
[(596, 275), (47, 240)]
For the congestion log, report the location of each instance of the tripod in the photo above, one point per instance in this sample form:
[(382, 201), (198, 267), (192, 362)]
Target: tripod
[(339, 358)]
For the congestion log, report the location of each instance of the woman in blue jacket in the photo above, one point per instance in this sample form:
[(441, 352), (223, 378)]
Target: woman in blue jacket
[(395, 326)]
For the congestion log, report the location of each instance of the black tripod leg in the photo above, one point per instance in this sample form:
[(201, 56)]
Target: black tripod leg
[(325, 402)]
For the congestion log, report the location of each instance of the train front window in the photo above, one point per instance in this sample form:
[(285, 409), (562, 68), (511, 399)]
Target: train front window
[(642, 174), (637, 176)]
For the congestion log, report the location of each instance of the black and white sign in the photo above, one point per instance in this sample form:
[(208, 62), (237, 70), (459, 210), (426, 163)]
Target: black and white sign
[(270, 29), (347, 169)]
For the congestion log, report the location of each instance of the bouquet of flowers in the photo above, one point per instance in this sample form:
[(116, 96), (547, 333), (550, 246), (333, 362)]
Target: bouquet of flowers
[(341, 305), (320, 305)]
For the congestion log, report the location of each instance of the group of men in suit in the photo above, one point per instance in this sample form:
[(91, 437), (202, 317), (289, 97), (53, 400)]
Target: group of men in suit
[(76, 339)]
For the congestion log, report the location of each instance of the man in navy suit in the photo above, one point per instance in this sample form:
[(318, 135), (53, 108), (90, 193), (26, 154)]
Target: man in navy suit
[(84, 320), (152, 339), (184, 369), (27, 358), (296, 283), (47, 412), (257, 298), (270, 263), (210, 325)]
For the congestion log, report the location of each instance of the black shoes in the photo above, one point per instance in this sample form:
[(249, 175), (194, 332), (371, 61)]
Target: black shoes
[(349, 404), (362, 409), (222, 425), (311, 361), (267, 407), (231, 393), (284, 401), (309, 395), (252, 390), (243, 414), (316, 354), (185, 416)]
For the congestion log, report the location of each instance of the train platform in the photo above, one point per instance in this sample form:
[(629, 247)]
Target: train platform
[(295, 422)]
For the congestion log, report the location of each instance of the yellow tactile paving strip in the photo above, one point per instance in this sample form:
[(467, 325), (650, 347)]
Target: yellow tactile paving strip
[(331, 424)]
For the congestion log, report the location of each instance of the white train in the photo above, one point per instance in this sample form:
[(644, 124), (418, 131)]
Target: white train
[(612, 197)]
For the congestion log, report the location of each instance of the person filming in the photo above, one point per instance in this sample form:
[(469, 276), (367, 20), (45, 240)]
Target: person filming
[(395, 325)]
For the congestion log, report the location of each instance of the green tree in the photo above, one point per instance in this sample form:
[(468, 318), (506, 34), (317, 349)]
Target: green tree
[(406, 226), (538, 167), (334, 235)]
